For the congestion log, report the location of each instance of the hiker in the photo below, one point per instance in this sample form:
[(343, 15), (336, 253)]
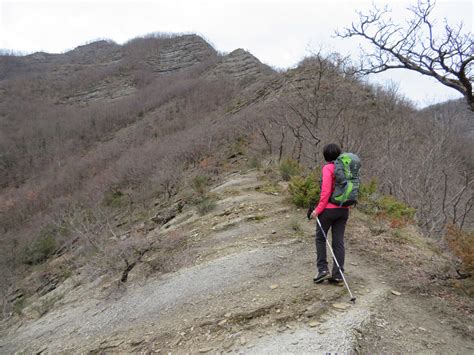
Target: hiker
[(330, 216)]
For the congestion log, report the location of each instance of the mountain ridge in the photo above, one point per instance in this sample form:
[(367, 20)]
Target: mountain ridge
[(162, 158)]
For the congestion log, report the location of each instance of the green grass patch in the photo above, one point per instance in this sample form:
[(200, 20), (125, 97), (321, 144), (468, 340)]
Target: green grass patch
[(395, 208), (368, 190), (388, 206)]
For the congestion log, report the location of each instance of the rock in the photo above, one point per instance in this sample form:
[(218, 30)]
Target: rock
[(274, 286), (354, 264), (239, 64), (136, 342), (222, 322), (294, 342), (15, 296), (422, 329), (205, 350), (278, 310), (314, 324), (228, 344), (273, 231), (396, 293), (113, 343), (243, 341), (316, 309), (176, 342), (227, 315), (164, 217), (295, 286), (181, 53), (341, 306)]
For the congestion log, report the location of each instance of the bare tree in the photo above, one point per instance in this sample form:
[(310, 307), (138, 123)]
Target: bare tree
[(445, 54), (321, 106)]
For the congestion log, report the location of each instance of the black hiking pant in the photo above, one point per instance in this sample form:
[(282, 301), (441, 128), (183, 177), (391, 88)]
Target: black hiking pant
[(336, 219)]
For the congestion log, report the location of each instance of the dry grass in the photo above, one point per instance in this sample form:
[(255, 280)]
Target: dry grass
[(462, 245)]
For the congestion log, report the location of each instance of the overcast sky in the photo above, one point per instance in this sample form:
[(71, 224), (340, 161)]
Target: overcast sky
[(279, 33)]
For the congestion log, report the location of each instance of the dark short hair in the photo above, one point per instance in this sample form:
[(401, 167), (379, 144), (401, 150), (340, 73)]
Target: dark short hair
[(331, 152)]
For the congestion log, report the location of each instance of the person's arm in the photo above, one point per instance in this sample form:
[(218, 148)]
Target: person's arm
[(326, 190)]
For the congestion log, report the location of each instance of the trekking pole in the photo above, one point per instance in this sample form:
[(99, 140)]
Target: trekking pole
[(353, 299)]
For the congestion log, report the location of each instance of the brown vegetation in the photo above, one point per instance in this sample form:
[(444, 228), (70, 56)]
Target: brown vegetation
[(462, 245), (100, 140)]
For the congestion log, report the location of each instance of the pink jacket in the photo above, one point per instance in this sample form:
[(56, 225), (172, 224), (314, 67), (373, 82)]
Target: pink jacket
[(327, 188)]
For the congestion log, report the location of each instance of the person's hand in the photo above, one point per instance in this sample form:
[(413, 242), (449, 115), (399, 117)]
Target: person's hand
[(314, 215)]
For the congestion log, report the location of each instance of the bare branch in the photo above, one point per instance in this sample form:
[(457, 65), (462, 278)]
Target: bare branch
[(414, 46)]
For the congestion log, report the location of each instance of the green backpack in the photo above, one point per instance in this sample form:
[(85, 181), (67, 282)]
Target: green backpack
[(347, 180)]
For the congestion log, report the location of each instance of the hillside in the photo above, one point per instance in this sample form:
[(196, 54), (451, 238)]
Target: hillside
[(243, 282), (143, 205), (454, 117)]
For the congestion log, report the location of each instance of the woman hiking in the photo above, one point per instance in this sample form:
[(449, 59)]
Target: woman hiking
[(330, 216)]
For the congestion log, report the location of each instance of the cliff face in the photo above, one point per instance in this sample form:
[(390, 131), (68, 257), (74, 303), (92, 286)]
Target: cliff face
[(182, 52), (161, 54), (241, 64)]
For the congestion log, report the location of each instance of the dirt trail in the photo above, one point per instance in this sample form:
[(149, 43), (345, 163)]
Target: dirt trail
[(248, 290)]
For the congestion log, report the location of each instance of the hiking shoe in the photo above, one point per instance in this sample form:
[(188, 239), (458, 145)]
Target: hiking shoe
[(323, 275), (335, 280)]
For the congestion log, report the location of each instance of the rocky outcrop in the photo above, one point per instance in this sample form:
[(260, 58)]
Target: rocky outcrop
[(240, 64), (180, 52), (161, 55)]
